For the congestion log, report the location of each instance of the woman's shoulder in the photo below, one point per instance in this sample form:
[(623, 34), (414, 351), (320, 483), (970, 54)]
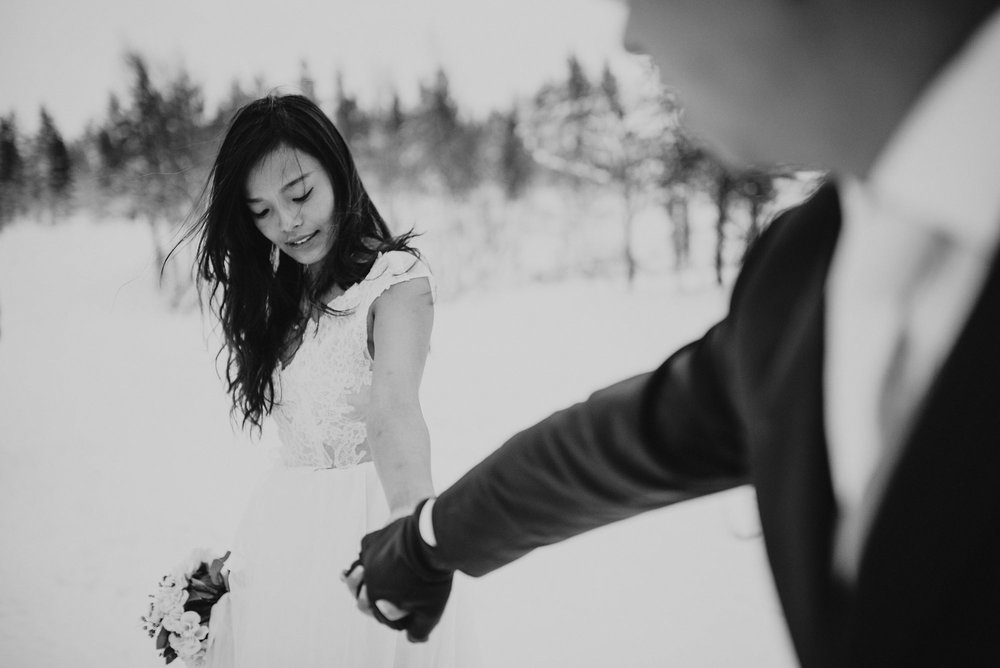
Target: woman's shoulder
[(398, 263), (396, 267)]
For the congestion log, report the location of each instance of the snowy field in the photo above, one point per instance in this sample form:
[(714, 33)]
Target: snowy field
[(117, 457)]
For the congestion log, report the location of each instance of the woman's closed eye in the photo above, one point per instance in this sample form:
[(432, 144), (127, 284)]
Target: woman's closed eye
[(260, 214), (303, 198)]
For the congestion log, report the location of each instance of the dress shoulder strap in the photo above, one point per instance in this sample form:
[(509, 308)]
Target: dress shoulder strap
[(392, 268)]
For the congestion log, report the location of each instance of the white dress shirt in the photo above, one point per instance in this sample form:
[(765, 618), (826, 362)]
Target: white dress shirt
[(917, 240)]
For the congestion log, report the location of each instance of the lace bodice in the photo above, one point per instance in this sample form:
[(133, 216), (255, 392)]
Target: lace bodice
[(323, 393)]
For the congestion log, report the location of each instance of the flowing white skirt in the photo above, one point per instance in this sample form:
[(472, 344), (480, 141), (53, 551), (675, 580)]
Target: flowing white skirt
[(287, 605)]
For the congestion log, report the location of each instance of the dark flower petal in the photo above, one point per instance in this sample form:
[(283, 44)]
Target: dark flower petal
[(215, 570), (163, 639)]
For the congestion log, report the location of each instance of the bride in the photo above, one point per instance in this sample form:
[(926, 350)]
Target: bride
[(327, 321)]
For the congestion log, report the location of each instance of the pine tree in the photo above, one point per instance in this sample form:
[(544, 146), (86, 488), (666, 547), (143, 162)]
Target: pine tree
[(60, 168), (609, 86), (515, 162), (756, 187), (577, 84), (604, 135), (578, 93), (166, 146), (11, 163), (387, 144), (168, 149), (146, 119), (11, 170), (438, 113), (348, 116), (236, 98), (722, 192), (111, 140), (306, 83), (396, 117), (450, 147), (53, 166), (686, 167)]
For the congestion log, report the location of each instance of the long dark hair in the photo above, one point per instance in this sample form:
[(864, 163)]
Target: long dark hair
[(261, 311)]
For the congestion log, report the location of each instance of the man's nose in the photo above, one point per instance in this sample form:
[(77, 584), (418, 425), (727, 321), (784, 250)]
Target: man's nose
[(631, 40)]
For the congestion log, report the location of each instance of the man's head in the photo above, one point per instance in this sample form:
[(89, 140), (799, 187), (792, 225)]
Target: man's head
[(814, 82)]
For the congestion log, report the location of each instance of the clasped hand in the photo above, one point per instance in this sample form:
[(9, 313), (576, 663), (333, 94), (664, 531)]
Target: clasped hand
[(397, 579)]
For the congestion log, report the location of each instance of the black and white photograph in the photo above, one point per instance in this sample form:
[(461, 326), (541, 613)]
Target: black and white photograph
[(499, 334)]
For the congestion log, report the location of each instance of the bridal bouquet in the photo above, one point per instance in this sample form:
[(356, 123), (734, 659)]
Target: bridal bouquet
[(179, 613)]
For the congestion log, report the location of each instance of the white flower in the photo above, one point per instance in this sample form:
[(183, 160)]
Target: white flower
[(173, 581), (190, 626), (185, 633), (172, 620), (185, 646), (169, 598)]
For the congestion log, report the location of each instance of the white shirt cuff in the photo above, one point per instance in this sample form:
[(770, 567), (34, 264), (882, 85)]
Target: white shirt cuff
[(426, 524)]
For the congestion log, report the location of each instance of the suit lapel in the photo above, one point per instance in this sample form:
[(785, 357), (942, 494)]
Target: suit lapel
[(940, 508), (789, 455)]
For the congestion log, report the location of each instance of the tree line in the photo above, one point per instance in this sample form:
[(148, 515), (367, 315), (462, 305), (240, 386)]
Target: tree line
[(148, 157)]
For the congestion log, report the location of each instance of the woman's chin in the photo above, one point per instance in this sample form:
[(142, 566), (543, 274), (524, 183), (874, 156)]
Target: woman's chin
[(312, 261), (310, 257)]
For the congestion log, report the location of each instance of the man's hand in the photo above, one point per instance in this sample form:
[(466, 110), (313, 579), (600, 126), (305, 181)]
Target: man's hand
[(397, 571), (354, 577)]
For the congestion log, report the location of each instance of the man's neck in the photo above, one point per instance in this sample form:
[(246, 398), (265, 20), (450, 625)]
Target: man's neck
[(883, 69)]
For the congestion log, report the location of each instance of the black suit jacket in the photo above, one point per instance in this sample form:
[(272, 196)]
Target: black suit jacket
[(744, 404)]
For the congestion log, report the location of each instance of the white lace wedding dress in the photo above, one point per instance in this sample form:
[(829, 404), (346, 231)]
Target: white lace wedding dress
[(287, 605)]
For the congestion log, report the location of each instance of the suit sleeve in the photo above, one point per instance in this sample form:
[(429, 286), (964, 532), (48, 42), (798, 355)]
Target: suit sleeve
[(640, 444), (643, 443)]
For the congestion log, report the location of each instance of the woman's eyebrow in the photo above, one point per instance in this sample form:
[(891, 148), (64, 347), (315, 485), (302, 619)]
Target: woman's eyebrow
[(285, 187)]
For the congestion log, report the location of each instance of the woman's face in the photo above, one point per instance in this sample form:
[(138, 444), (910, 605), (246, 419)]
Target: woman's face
[(290, 198)]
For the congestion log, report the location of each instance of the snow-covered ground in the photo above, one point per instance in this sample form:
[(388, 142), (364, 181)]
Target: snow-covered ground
[(117, 457)]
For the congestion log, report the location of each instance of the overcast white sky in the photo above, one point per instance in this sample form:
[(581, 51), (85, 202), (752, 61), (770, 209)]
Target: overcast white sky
[(68, 54)]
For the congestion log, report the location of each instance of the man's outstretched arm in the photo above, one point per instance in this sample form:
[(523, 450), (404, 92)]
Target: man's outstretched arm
[(640, 444)]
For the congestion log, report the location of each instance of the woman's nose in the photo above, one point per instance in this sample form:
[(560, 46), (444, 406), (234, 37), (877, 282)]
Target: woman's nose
[(289, 218)]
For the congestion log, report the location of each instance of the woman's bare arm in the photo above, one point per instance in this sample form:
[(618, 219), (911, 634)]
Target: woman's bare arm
[(403, 317)]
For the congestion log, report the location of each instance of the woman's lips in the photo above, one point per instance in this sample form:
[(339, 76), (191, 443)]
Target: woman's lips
[(302, 241)]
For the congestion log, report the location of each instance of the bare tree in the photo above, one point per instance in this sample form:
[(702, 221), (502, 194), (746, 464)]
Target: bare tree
[(686, 167), (606, 135), (157, 148)]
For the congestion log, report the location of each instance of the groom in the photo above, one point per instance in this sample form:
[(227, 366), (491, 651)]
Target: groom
[(855, 381)]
